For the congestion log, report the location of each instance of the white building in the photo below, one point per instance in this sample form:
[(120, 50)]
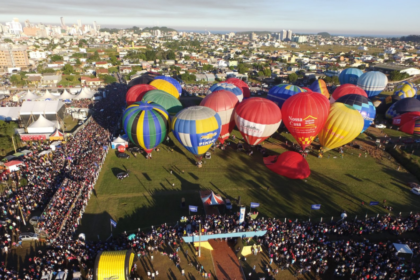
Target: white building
[(300, 39), (283, 35), (289, 34), (37, 55), (14, 26), (390, 50), (363, 48)]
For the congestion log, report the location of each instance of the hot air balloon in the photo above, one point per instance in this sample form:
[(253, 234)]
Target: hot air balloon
[(407, 105), (403, 83), (174, 82), (289, 164), (136, 93), (405, 91), (257, 119), (321, 87), (164, 99), (346, 89), (197, 129), (165, 86), (280, 93), (145, 124), (304, 115), (373, 82), (241, 85), (146, 78), (223, 102), (350, 76), (229, 87), (121, 148), (402, 119), (361, 104), (391, 113), (344, 123)]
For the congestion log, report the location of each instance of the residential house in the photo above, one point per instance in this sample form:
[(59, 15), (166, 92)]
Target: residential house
[(50, 79), (101, 71), (102, 64), (125, 69), (88, 81)]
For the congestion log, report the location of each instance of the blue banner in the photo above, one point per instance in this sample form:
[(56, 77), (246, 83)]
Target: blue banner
[(113, 223), (193, 208), (372, 203), (316, 206), (254, 204)]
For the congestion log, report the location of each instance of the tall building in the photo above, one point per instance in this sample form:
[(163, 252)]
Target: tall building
[(252, 36), (27, 23), (289, 35), (12, 56), (283, 35), (94, 26), (63, 25), (14, 26), (79, 23)]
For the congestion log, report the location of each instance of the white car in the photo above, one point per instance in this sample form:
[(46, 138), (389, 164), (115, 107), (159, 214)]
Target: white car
[(380, 126), (28, 236), (415, 191)]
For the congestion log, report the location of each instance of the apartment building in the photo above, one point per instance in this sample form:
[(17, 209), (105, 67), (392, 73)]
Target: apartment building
[(13, 57)]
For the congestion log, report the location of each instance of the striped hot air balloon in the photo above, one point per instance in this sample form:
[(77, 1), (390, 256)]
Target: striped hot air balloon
[(229, 87), (174, 82), (350, 76), (164, 99), (280, 93), (320, 86), (373, 82), (361, 104), (346, 89), (136, 93), (241, 85), (197, 129), (145, 124), (165, 86)]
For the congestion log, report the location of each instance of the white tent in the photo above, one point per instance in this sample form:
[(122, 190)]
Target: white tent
[(9, 113), (42, 125), (41, 107), (85, 94), (66, 95), (118, 141), (29, 96), (402, 249), (49, 96)]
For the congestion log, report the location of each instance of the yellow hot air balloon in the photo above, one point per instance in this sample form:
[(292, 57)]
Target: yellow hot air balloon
[(344, 123), (165, 86)]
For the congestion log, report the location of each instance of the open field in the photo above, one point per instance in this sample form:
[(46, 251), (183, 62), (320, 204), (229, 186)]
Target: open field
[(148, 198)]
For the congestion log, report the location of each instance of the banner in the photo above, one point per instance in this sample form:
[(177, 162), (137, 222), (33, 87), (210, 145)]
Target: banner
[(316, 206), (254, 204), (242, 214), (113, 223), (193, 208), (372, 203)]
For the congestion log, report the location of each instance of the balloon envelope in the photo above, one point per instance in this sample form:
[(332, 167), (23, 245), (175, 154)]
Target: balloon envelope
[(197, 128), (146, 78), (403, 83), (304, 115), (361, 104), (344, 123), (320, 86), (411, 127), (229, 87), (223, 102), (402, 119), (241, 85), (145, 124), (346, 89), (164, 99), (407, 105), (280, 93), (405, 91), (257, 119), (136, 93), (350, 76), (373, 82), (121, 148), (166, 86), (174, 82), (391, 112), (289, 164)]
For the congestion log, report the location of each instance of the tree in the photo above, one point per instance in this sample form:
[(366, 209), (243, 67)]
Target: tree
[(70, 78), (293, 77), (7, 40), (242, 69), (108, 79), (16, 79), (8, 129), (56, 57), (78, 62), (187, 57), (114, 60), (362, 67), (171, 55), (267, 72), (150, 55), (67, 69)]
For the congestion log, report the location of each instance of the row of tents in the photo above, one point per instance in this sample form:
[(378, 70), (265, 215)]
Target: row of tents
[(85, 93)]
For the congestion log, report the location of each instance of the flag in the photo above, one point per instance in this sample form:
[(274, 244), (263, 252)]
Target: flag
[(316, 206), (113, 223), (193, 208), (372, 203), (254, 204)]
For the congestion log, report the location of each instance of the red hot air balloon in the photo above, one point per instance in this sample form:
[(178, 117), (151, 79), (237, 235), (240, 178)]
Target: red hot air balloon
[(304, 116), (289, 164), (257, 119), (402, 119), (223, 102), (121, 148), (240, 84), (136, 93), (346, 89)]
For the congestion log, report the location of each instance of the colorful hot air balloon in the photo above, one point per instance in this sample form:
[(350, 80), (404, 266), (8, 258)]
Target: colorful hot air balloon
[(145, 124), (346, 89), (146, 78), (405, 91), (257, 119), (229, 87), (373, 82), (350, 76), (344, 123), (165, 86), (280, 93), (406, 117), (197, 129), (407, 105), (391, 113), (223, 102), (321, 87), (241, 85), (174, 82), (403, 83), (167, 101), (289, 164), (304, 115), (411, 127), (361, 104), (136, 93)]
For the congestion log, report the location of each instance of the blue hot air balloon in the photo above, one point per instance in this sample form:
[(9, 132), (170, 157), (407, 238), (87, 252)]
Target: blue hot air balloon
[(350, 76), (361, 104), (229, 87), (373, 82), (280, 93), (174, 82), (391, 112)]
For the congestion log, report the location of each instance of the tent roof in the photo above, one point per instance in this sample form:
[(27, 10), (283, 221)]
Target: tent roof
[(119, 139), (42, 122), (85, 94), (13, 162), (9, 113), (41, 107), (66, 95), (402, 248), (48, 95), (57, 133), (29, 95), (212, 199)]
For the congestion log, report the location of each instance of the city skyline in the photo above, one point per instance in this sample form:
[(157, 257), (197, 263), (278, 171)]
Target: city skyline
[(359, 18)]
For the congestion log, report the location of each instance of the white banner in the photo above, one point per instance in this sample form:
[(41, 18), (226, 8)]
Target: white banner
[(242, 214)]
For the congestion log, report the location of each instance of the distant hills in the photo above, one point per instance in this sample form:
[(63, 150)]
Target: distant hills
[(410, 38), (324, 34)]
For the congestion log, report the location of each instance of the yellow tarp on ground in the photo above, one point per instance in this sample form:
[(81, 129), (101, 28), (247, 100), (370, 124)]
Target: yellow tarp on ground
[(246, 250), (204, 244)]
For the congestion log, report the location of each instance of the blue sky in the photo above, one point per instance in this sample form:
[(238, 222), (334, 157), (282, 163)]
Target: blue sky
[(370, 17)]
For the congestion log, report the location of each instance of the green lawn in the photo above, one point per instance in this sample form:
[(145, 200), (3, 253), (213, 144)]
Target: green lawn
[(65, 83), (148, 198), (70, 123)]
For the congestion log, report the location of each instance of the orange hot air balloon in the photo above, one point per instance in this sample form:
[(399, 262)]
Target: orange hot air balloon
[(304, 115)]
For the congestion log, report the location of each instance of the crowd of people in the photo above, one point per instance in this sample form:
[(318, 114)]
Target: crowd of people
[(81, 103)]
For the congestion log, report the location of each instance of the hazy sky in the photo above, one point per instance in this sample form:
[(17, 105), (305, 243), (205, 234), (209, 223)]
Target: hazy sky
[(375, 17)]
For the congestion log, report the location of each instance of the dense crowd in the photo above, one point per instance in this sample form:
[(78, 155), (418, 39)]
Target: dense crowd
[(82, 103)]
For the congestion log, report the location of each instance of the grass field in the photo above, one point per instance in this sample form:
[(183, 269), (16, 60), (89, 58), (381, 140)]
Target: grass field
[(148, 198)]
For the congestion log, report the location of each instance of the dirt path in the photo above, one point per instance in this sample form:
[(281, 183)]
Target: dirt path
[(225, 261)]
